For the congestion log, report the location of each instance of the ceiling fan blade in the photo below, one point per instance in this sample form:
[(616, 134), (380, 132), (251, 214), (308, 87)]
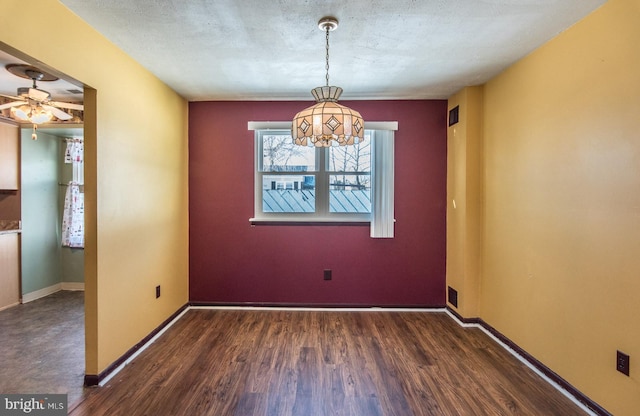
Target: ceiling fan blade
[(38, 95), (61, 115), (13, 104), (71, 106), (13, 97)]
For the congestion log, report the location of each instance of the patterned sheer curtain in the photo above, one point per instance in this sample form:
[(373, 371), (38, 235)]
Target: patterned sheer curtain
[(73, 215)]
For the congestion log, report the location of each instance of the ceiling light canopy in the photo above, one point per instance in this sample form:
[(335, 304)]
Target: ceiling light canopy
[(327, 123)]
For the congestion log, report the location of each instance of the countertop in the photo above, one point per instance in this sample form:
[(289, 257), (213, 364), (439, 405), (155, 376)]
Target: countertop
[(10, 226)]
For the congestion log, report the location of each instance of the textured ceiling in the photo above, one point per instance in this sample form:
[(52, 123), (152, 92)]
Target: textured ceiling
[(273, 49)]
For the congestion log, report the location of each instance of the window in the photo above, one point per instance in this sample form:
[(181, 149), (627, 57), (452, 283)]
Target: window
[(311, 184), (335, 184)]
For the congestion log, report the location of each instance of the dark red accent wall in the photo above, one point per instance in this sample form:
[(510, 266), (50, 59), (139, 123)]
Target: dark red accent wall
[(233, 262)]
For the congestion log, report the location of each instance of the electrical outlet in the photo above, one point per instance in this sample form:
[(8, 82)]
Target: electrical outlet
[(622, 363), (327, 274), (157, 291)]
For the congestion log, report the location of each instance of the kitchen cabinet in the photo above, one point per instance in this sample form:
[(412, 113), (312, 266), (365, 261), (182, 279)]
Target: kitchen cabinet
[(9, 269), (9, 156)]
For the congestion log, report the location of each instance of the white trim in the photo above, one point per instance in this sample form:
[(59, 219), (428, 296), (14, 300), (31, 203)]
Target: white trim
[(321, 175), (31, 296), (41, 293), (286, 125), (525, 362), (269, 125), (293, 219), (381, 125), (316, 309), (73, 286)]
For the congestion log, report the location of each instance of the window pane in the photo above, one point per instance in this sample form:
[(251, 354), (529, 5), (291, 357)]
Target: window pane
[(351, 158), (288, 193), (350, 193), (279, 154)]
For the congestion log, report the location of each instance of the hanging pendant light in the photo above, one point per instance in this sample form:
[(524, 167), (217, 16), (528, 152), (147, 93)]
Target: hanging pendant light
[(327, 123)]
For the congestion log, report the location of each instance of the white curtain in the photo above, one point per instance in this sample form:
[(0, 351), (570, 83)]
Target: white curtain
[(74, 154), (73, 215), (382, 212)]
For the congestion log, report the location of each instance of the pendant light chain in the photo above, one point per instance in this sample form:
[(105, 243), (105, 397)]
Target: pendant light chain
[(327, 123), (327, 66)]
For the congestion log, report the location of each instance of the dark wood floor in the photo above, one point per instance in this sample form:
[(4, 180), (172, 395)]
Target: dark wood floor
[(230, 362), (42, 346)]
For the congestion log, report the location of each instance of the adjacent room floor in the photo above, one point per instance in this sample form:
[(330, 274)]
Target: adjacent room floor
[(42, 346)]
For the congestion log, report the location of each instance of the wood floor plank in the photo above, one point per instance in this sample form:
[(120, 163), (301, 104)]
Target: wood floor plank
[(316, 363)]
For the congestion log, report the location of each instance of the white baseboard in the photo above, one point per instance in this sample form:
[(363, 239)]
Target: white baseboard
[(30, 297), (75, 286)]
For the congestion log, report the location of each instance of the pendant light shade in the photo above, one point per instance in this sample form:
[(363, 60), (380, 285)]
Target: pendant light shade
[(327, 123)]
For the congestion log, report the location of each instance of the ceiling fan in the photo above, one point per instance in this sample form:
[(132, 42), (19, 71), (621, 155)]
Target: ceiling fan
[(32, 104)]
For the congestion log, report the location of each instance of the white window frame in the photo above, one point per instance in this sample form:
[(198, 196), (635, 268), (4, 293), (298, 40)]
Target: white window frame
[(322, 195), (382, 168)]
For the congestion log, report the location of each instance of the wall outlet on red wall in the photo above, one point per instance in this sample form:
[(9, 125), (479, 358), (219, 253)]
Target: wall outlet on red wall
[(327, 274)]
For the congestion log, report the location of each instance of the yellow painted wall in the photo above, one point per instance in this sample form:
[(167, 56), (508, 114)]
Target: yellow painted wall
[(561, 263), (136, 145), (464, 200)]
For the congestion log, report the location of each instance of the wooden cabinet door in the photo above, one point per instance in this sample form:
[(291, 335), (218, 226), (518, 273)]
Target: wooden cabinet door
[(9, 155), (9, 270)]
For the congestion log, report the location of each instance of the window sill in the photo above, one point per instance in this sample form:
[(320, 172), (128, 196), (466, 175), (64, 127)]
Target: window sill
[(319, 221)]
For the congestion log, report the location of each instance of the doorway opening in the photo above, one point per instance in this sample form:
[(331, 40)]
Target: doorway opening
[(46, 331)]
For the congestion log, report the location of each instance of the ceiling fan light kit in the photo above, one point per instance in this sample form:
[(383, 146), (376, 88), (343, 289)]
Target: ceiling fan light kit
[(34, 114), (327, 123), (32, 104)]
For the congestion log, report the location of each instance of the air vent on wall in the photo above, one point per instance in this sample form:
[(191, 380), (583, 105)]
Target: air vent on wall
[(453, 115), (452, 294)]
